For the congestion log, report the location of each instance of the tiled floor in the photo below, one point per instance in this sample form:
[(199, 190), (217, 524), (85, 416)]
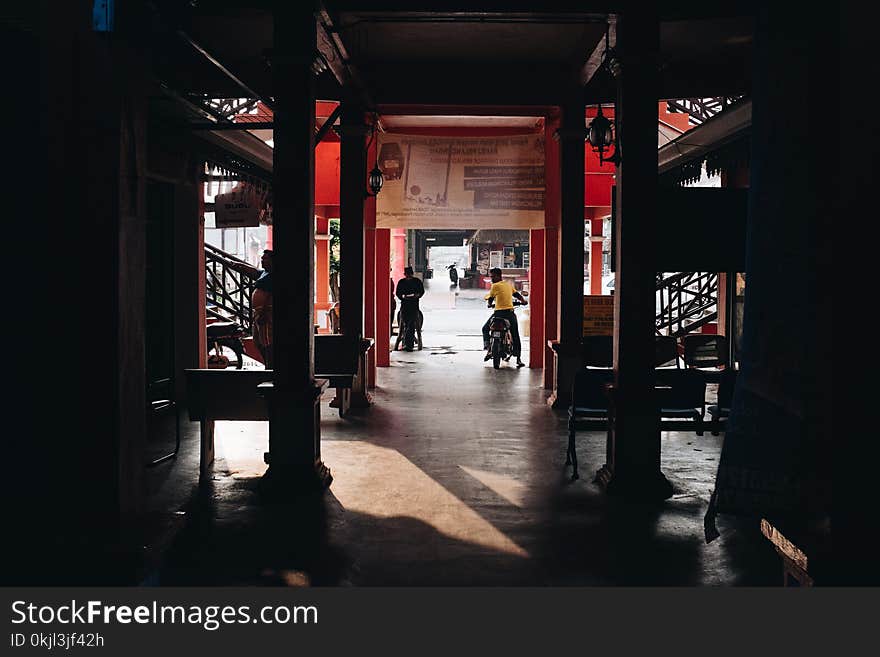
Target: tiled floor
[(455, 477)]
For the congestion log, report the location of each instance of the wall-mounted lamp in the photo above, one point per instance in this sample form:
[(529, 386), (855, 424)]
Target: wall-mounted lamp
[(602, 135), (376, 179)]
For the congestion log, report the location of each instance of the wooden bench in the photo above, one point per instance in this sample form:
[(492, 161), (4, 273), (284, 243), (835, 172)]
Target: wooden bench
[(223, 395), (339, 359), (237, 395)]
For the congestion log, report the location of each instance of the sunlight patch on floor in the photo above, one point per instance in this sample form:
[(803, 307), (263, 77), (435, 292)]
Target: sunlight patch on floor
[(382, 482), (240, 447), (502, 485)]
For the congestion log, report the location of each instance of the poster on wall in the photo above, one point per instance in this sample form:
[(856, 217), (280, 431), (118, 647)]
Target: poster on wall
[(458, 182), (598, 314)]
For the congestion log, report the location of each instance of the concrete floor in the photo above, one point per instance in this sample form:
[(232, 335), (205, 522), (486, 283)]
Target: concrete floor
[(454, 477)]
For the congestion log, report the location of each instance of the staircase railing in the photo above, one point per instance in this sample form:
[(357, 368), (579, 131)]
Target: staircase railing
[(687, 302), (229, 285)]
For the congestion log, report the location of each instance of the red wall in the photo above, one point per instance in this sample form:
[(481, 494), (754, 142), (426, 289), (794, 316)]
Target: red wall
[(327, 173)]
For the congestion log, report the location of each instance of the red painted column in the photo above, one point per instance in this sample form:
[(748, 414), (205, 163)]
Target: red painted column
[(536, 299), (595, 256), (398, 253), (322, 261), (383, 297), (552, 217)]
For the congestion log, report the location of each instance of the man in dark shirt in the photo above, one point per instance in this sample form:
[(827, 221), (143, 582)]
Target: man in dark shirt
[(409, 290)]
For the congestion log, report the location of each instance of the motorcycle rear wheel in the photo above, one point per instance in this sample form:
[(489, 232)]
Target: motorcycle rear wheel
[(496, 354)]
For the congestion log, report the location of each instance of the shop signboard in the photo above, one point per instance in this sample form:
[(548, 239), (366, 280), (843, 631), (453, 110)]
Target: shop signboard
[(241, 207)]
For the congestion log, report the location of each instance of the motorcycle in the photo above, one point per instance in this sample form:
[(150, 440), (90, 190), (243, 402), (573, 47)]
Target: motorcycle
[(225, 334), (409, 332), (453, 275), (500, 338)]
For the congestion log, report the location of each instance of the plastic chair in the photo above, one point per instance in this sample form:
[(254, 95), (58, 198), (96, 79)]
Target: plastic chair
[(588, 401), (705, 350)]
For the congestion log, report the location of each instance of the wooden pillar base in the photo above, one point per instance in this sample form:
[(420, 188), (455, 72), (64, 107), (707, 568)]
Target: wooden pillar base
[(289, 482), (644, 487), (631, 470), (294, 456)]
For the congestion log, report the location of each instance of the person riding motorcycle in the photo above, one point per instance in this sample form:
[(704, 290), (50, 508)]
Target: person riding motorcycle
[(503, 293)]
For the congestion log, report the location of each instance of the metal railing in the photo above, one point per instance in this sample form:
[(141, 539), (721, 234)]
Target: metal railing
[(229, 285), (701, 109), (687, 302)]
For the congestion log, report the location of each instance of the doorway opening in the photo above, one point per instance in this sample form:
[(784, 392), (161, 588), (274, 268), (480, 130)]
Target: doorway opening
[(453, 266)]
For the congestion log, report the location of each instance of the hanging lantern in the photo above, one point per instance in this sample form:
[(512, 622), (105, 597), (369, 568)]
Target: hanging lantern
[(601, 137), (376, 180)]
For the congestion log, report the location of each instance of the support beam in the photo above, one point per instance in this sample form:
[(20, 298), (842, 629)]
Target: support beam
[(328, 124), (596, 58), (571, 263), (294, 409), (254, 125), (352, 189), (248, 91), (633, 467)]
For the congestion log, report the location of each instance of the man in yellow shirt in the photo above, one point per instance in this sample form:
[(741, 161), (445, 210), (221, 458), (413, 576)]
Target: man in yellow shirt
[(503, 293)]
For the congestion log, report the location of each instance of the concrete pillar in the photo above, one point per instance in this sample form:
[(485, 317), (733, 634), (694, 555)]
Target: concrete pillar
[(552, 218), (294, 409), (383, 297), (571, 262), (633, 467), (536, 299), (352, 190)]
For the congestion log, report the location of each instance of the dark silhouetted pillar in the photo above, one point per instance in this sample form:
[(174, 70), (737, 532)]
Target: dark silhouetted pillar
[(352, 189), (571, 261), (552, 213), (633, 467), (294, 428)]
